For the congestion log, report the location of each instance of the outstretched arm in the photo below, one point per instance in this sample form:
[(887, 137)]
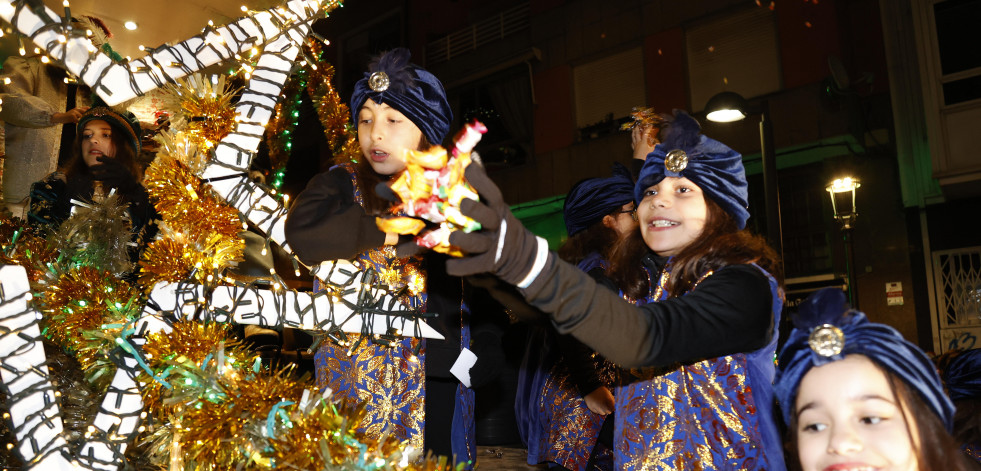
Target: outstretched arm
[(326, 223), (729, 312)]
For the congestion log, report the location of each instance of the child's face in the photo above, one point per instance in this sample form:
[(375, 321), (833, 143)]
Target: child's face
[(849, 418), (385, 134), (672, 215), (97, 141)]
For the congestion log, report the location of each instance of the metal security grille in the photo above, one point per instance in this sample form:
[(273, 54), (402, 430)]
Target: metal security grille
[(957, 278), (470, 38)]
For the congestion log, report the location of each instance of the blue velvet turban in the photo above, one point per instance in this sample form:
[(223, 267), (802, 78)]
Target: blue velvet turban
[(591, 199), (826, 330), (391, 79), (962, 376), (715, 168)]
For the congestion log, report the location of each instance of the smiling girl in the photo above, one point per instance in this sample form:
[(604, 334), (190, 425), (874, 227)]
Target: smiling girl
[(857, 396), (708, 303)]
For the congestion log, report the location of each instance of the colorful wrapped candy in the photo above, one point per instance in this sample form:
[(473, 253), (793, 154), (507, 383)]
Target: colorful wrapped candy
[(431, 188)]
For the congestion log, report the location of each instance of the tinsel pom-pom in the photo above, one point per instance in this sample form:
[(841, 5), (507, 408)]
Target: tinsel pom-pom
[(174, 257), (203, 108), (180, 147), (187, 203), (96, 235), (188, 345)]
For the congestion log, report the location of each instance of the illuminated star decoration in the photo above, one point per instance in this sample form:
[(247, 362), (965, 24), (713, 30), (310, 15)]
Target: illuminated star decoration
[(31, 397)]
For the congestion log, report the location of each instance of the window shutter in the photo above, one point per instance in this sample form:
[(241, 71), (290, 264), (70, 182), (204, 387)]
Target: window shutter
[(741, 48), (613, 84)]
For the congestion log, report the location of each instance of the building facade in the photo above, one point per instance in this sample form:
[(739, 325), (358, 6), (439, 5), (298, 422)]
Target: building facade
[(880, 90)]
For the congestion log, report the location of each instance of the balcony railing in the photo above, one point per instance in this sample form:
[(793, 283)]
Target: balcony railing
[(478, 34)]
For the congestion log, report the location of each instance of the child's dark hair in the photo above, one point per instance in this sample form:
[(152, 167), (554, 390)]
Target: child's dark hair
[(595, 238), (720, 244)]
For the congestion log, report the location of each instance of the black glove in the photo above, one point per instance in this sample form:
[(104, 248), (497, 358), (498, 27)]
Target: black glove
[(114, 174), (407, 246), (386, 193), (504, 247)]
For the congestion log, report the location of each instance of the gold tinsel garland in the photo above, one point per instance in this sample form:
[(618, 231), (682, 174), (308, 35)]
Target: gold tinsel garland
[(79, 301), (187, 203), (282, 124), (201, 232), (331, 110), (22, 245), (315, 78), (175, 256), (202, 108)]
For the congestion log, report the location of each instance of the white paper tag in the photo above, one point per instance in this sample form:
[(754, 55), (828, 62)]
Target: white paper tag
[(461, 367)]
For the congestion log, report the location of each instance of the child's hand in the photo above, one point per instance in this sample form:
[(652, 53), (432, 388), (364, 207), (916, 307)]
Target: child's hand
[(643, 131), (504, 247), (600, 401), (640, 141)]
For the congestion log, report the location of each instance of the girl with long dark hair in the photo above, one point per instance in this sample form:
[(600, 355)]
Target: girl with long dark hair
[(708, 305)]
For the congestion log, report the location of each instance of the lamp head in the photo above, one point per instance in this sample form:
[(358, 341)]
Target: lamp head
[(842, 192), (726, 107)]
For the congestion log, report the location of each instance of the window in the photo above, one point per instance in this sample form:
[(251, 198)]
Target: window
[(737, 53), (804, 215), (608, 89), (960, 59), (502, 102)]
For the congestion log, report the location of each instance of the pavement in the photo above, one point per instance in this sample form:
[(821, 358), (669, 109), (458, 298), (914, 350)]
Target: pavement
[(504, 458)]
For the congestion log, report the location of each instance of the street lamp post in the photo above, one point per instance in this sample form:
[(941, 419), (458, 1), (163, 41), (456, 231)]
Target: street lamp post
[(727, 107), (842, 192)]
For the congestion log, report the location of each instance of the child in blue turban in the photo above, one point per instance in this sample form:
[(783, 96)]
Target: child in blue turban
[(961, 373), (396, 107), (707, 306), (856, 395), (565, 389)]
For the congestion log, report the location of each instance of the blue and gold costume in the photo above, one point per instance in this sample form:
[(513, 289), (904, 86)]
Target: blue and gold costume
[(559, 372), (700, 415), (559, 427), (391, 380), (335, 218), (708, 404)]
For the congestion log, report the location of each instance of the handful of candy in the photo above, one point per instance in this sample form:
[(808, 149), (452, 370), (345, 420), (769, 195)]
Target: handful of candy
[(431, 188)]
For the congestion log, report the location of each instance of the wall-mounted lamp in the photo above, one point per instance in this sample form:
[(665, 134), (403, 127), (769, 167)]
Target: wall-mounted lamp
[(842, 192), (726, 107)]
